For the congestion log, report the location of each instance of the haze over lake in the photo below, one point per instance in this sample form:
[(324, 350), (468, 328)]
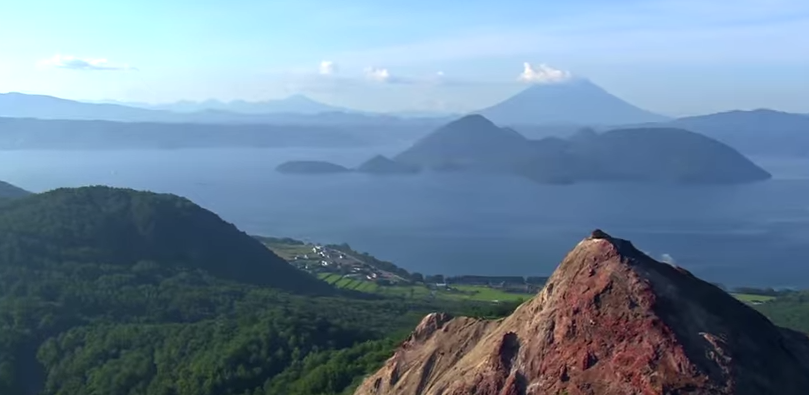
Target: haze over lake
[(464, 224)]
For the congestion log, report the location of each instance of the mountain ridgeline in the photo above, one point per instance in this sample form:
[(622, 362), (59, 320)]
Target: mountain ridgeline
[(756, 132), (8, 191), (541, 110), (652, 155)]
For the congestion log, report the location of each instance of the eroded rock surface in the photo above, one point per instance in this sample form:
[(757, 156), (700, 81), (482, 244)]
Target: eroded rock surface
[(611, 320)]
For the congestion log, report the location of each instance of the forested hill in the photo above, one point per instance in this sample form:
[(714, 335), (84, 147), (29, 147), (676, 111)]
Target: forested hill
[(8, 191), (124, 227), (112, 291)]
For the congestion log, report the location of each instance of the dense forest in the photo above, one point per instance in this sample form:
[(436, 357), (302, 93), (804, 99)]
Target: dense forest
[(113, 291)]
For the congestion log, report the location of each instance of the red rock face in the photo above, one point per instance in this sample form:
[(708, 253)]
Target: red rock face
[(610, 321)]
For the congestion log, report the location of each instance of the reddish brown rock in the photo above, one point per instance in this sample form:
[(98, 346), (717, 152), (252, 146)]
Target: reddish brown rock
[(611, 320)]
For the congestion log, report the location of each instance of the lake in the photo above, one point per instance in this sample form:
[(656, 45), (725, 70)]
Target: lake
[(451, 224)]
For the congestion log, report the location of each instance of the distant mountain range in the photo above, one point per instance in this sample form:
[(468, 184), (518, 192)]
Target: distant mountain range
[(18, 105), (577, 101), (20, 133), (296, 104), (536, 112)]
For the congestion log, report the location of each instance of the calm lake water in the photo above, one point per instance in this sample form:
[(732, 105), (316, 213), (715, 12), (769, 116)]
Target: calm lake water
[(738, 235)]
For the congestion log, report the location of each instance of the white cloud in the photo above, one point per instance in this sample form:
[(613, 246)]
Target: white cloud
[(377, 74), (543, 74), (327, 67), (667, 258), (75, 63)]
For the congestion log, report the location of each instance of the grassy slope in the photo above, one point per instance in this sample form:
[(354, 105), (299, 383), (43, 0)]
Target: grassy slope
[(418, 291)]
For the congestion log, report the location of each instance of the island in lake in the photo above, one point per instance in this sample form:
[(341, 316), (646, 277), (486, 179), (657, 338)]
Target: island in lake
[(649, 154), (310, 167)]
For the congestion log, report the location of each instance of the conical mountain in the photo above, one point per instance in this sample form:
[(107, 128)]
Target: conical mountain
[(610, 321), (469, 142), (577, 101)]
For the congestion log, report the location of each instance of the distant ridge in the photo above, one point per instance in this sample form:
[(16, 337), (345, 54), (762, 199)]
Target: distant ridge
[(296, 110), (755, 132), (19, 105), (295, 104), (577, 101), (8, 191)]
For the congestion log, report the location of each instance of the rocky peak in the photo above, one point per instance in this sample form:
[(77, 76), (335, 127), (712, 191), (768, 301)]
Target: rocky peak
[(611, 320), (429, 325)]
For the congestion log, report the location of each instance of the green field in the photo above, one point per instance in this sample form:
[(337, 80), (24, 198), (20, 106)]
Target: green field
[(460, 292), (480, 292), (748, 298), (289, 251)]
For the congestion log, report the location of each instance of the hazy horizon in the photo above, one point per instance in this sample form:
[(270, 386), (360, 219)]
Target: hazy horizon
[(669, 57)]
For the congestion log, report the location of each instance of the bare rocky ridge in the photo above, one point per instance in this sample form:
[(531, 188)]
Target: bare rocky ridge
[(611, 320)]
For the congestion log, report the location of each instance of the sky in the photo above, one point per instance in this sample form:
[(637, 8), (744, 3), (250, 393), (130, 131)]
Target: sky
[(675, 57)]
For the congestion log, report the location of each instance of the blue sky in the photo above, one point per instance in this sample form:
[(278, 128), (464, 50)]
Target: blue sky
[(670, 56)]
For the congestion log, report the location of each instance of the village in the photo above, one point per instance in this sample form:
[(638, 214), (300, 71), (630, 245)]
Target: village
[(320, 259), (342, 266)]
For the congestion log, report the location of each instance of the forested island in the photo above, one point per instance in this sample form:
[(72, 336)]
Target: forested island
[(642, 155)]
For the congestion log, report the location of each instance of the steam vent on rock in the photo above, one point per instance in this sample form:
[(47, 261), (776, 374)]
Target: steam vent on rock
[(610, 321)]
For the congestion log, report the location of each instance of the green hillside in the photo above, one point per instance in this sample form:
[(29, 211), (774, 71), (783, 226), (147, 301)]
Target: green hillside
[(124, 227)]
